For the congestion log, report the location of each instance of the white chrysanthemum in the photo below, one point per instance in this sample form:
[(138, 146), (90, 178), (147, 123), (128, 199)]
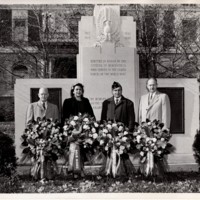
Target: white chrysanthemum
[(124, 139), (122, 147), (96, 124), (65, 133), (109, 126), (159, 152), (105, 130), (95, 135), (86, 120), (118, 144), (65, 127), (162, 139), (89, 141), (138, 138), (147, 139), (114, 125), (75, 118), (101, 142), (125, 132), (154, 139), (141, 153), (120, 128), (93, 130), (86, 127), (149, 123), (120, 151), (73, 123), (103, 135)]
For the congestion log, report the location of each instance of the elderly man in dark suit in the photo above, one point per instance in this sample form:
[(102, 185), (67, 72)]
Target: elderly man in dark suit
[(118, 108), (42, 108)]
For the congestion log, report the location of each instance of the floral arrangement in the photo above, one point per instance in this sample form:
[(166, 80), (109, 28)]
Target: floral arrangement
[(82, 129), (152, 141), (44, 142), (82, 133), (114, 139), (115, 135)]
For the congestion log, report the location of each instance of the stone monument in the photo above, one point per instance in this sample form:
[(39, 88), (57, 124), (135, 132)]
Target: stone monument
[(107, 53)]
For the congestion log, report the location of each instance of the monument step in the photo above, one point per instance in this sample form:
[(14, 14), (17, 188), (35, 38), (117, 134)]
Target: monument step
[(95, 169)]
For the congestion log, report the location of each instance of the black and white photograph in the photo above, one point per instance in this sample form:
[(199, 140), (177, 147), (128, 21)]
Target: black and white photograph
[(99, 98)]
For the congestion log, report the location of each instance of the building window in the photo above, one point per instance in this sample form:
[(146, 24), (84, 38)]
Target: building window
[(168, 29), (20, 71), (34, 26), (150, 28), (62, 26), (5, 27), (19, 30), (73, 28), (189, 30)]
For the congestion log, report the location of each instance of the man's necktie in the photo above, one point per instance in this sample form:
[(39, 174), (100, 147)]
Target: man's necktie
[(150, 98), (44, 106), (116, 101)]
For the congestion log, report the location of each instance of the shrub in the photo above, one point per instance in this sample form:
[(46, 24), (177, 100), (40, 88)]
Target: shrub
[(7, 111), (8, 159), (196, 147), (10, 184)]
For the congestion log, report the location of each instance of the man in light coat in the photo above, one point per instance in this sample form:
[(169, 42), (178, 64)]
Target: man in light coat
[(155, 105), (42, 108)]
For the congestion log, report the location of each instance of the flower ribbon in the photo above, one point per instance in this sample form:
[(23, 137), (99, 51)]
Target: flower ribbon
[(111, 163), (74, 157), (39, 165), (149, 163)]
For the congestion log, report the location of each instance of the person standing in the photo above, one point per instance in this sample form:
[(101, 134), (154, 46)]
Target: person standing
[(42, 108), (155, 105), (77, 103), (72, 107), (118, 108)]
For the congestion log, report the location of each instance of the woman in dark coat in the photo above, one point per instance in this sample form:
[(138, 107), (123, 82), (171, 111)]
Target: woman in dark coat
[(72, 107), (77, 103)]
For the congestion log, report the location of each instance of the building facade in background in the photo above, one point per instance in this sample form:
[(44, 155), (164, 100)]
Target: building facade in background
[(41, 41)]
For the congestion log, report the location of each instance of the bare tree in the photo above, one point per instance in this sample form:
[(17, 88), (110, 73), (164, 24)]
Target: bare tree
[(167, 40), (45, 41)]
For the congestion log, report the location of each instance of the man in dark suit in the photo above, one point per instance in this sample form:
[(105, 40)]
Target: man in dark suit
[(42, 108), (118, 108)]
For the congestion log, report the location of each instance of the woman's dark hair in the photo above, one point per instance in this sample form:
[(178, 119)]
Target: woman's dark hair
[(73, 87)]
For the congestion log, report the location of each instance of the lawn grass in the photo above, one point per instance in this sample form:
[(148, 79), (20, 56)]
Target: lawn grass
[(173, 182)]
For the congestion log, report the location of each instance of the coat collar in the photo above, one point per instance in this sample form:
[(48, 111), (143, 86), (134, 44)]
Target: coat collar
[(111, 99), (154, 100), (39, 103)]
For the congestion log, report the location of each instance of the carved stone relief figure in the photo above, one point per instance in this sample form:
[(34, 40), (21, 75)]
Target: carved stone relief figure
[(107, 26)]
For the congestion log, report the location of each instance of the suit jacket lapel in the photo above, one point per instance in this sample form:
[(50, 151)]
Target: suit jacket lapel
[(48, 110), (40, 105), (154, 100), (112, 106)]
